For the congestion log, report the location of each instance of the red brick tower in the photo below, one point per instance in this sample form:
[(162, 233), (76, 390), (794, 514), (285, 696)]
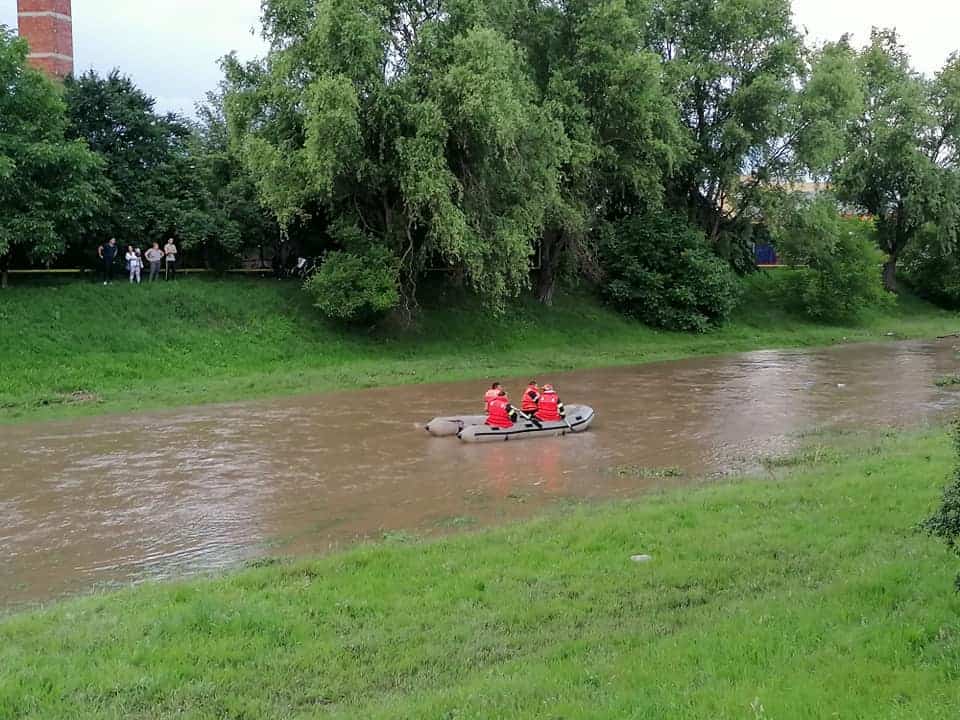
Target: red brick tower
[(47, 25)]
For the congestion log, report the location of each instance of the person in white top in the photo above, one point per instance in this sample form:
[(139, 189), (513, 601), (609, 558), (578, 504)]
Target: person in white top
[(134, 264)]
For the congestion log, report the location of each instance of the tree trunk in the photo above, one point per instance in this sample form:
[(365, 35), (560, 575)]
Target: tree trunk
[(549, 267), (715, 230), (4, 271), (890, 274), (546, 286)]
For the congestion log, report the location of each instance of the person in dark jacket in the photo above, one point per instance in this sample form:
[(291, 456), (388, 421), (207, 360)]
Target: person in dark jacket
[(108, 255)]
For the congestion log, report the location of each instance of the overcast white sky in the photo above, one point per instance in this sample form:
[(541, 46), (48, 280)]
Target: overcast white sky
[(171, 48)]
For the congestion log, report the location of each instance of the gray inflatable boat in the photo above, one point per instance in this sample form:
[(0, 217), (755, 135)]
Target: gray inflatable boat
[(472, 428), (450, 426)]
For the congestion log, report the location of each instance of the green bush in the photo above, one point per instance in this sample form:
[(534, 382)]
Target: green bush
[(945, 522), (356, 286), (837, 264), (660, 270), (931, 270)]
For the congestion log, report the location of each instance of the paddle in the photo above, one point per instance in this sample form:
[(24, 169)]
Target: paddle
[(530, 419)]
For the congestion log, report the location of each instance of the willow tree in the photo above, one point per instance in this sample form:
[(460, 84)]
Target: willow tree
[(623, 137), (413, 126)]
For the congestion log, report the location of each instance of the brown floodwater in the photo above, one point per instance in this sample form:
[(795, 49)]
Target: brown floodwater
[(93, 502)]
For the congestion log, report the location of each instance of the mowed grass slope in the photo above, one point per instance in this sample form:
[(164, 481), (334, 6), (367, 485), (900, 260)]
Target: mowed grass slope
[(81, 348), (800, 597)]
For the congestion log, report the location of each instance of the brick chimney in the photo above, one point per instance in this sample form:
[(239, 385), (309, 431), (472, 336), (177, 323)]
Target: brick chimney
[(47, 26)]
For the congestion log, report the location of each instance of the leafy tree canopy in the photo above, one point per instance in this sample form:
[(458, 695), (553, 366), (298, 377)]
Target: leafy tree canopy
[(150, 160), (463, 132), (900, 163), (47, 182), (759, 106)]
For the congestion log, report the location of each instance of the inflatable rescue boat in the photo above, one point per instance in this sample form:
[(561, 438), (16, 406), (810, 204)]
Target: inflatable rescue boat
[(472, 428)]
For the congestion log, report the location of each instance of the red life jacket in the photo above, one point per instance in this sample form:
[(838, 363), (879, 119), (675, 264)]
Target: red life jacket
[(498, 413), (531, 398), (490, 397), (549, 407)]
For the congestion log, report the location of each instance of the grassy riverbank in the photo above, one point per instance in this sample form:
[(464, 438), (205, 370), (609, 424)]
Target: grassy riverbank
[(79, 349), (801, 596)]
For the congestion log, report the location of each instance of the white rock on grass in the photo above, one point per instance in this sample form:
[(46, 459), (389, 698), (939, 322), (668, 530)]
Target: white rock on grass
[(641, 558)]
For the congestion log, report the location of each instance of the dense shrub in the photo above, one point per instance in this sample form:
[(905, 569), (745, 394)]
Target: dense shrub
[(932, 270), (661, 271), (837, 264), (359, 286), (945, 522)]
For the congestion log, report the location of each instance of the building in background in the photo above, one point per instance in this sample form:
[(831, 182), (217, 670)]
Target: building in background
[(765, 253), (47, 26)]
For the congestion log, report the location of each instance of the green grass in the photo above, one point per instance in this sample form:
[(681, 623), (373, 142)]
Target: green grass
[(76, 349), (804, 595)]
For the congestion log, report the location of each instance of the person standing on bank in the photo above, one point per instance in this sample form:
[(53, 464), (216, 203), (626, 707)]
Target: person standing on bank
[(136, 271), (133, 264), (108, 254), (170, 251), (154, 256)]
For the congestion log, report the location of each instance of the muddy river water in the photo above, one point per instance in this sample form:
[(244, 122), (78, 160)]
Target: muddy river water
[(93, 502)]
